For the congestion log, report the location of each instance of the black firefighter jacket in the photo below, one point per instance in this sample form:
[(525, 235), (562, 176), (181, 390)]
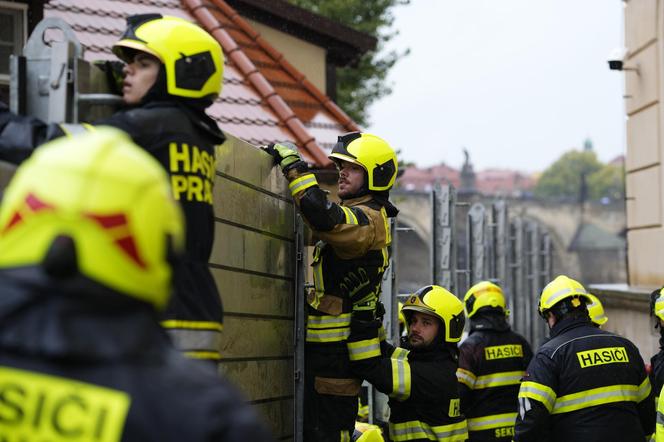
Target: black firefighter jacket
[(492, 361), (422, 385), (657, 368), (585, 384), (183, 141), (80, 363)]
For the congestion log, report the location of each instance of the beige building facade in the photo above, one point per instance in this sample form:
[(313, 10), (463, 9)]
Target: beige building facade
[(628, 306), (644, 89)]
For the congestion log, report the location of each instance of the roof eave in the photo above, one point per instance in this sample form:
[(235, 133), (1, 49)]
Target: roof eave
[(344, 44)]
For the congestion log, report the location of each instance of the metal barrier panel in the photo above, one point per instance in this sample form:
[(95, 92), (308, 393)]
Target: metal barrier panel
[(253, 262), (444, 245), (299, 330), (476, 243), (500, 229), (516, 276)]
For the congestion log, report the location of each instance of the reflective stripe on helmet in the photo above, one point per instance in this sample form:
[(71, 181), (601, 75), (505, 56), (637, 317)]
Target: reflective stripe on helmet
[(561, 294)]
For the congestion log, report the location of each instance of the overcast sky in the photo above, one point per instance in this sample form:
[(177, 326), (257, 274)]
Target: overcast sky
[(516, 82)]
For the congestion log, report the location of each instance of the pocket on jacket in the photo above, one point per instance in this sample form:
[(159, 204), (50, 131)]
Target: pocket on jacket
[(337, 387)]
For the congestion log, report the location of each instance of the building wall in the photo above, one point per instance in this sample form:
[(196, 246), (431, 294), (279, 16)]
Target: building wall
[(644, 39), (306, 57)]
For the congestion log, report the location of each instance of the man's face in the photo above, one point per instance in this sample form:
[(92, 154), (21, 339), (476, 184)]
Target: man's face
[(351, 179), (140, 76), (422, 329)]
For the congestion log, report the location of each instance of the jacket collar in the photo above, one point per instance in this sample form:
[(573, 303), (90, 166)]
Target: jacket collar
[(45, 318), (357, 201), (492, 322), (567, 324)]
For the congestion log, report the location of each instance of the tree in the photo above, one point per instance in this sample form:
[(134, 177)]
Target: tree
[(566, 177), (359, 86), (608, 182)]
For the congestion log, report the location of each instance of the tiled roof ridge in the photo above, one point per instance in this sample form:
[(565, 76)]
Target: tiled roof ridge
[(278, 57), (232, 50)]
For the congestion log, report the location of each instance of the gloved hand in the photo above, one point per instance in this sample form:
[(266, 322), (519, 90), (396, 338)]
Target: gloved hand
[(114, 74), (380, 310), (284, 154)]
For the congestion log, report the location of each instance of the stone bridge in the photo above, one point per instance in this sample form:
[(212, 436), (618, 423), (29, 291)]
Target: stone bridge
[(598, 259)]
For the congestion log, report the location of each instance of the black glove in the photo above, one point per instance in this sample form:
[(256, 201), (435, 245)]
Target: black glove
[(284, 154), (114, 74)]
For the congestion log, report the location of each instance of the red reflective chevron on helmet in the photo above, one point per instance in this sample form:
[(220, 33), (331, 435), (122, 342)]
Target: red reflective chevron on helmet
[(32, 204), (118, 227)]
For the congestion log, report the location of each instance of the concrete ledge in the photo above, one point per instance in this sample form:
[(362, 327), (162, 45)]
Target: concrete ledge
[(623, 296), (628, 310)]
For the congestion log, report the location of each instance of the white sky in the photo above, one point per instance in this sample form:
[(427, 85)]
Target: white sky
[(516, 82)]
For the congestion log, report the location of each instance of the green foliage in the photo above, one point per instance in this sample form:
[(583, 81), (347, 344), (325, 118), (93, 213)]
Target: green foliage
[(607, 182), (360, 85), (563, 178)]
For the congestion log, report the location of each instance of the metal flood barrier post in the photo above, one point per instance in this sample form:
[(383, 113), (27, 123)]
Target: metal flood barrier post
[(443, 250), (299, 330), (52, 82), (500, 241), (477, 249), (377, 401)]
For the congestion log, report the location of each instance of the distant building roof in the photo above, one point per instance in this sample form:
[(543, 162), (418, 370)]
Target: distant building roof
[(618, 161), (415, 178), (591, 237), (265, 99), (503, 182), (487, 182)]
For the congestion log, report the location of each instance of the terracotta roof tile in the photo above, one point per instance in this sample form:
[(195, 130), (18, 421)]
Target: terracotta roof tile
[(265, 99)]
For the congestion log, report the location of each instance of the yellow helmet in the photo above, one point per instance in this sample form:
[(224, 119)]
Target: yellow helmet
[(110, 198), (192, 58), (596, 311), (658, 303), (560, 289), (484, 294), (437, 301), (372, 153), (402, 318), (368, 432)]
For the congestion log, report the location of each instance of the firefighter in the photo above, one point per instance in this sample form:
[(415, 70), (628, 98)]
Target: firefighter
[(596, 311), (348, 265), (659, 431), (657, 361), (584, 383), (402, 320), (173, 72), (419, 376), (89, 232), (492, 361)]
